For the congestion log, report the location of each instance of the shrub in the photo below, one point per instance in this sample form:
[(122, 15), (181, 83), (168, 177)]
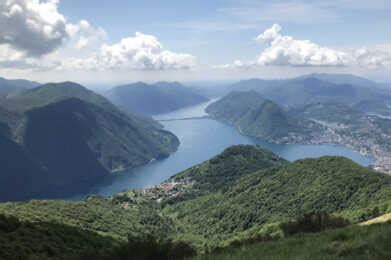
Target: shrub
[(8, 224), (371, 213), (313, 222), (146, 248)]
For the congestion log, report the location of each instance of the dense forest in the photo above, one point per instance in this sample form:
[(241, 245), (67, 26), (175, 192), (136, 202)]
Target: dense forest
[(259, 197)]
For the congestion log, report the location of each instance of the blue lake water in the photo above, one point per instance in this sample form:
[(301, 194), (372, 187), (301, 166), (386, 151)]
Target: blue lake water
[(202, 139)]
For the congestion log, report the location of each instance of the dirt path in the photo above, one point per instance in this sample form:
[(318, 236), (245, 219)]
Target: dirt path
[(380, 219)]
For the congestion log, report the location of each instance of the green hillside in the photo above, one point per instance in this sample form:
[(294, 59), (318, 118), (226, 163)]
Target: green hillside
[(244, 194), (51, 93), (221, 172), (115, 139), (331, 112), (329, 184), (41, 240), (258, 117), (235, 105), (61, 139), (354, 243)]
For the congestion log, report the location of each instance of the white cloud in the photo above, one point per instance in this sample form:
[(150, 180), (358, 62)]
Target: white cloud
[(84, 35), (82, 43), (269, 35), (375, 57), (141, 52), (237, 64), (17, 60), (284, 50), (35, 36), (32, 26)]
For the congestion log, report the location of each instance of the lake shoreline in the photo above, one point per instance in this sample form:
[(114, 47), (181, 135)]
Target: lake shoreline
[(202, 139)]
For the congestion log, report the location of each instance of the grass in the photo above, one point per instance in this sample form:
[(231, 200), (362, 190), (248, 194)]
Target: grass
[(354, 242)]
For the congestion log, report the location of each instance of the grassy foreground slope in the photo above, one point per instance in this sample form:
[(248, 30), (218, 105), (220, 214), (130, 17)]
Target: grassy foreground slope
[(370, 242)]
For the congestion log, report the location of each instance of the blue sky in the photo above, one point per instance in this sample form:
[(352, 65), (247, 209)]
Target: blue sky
[(188, 25), (198, 40)]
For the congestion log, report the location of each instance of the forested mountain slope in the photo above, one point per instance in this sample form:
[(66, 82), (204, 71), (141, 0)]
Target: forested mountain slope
[(246, 193), (74, 138)]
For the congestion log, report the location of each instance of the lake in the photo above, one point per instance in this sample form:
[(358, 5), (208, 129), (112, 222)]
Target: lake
[(202, 139)]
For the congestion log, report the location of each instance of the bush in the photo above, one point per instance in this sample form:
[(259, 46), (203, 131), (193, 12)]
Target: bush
[(313, 222), (371, 213), (8, 224), (145, 248)]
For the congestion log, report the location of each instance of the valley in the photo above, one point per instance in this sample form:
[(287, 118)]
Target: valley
[(195, 130), (236, 171)]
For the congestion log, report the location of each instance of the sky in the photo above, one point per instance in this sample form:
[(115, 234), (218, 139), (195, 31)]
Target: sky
[(118, 41)]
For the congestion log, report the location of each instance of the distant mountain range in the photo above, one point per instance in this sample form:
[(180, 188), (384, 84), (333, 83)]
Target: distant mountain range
[(307, 90), (342, 79), (62, 138), (8, 86), (152, 99), (366, 95)]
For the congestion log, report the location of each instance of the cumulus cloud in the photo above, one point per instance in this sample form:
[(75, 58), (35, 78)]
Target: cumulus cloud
[(31, 29), (84, 35), (283, 50), (13, 59), (32, 26), (140, 52)]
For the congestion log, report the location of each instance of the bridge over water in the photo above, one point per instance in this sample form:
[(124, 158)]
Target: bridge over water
[(184, 118)]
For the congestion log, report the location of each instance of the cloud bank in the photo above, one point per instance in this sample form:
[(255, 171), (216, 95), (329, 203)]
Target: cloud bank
[(140, 52), (283, 50), (35, 35)]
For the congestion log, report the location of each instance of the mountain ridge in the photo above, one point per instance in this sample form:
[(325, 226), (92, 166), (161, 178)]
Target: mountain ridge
[(78, 137), (256, 116), (152, 99)]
